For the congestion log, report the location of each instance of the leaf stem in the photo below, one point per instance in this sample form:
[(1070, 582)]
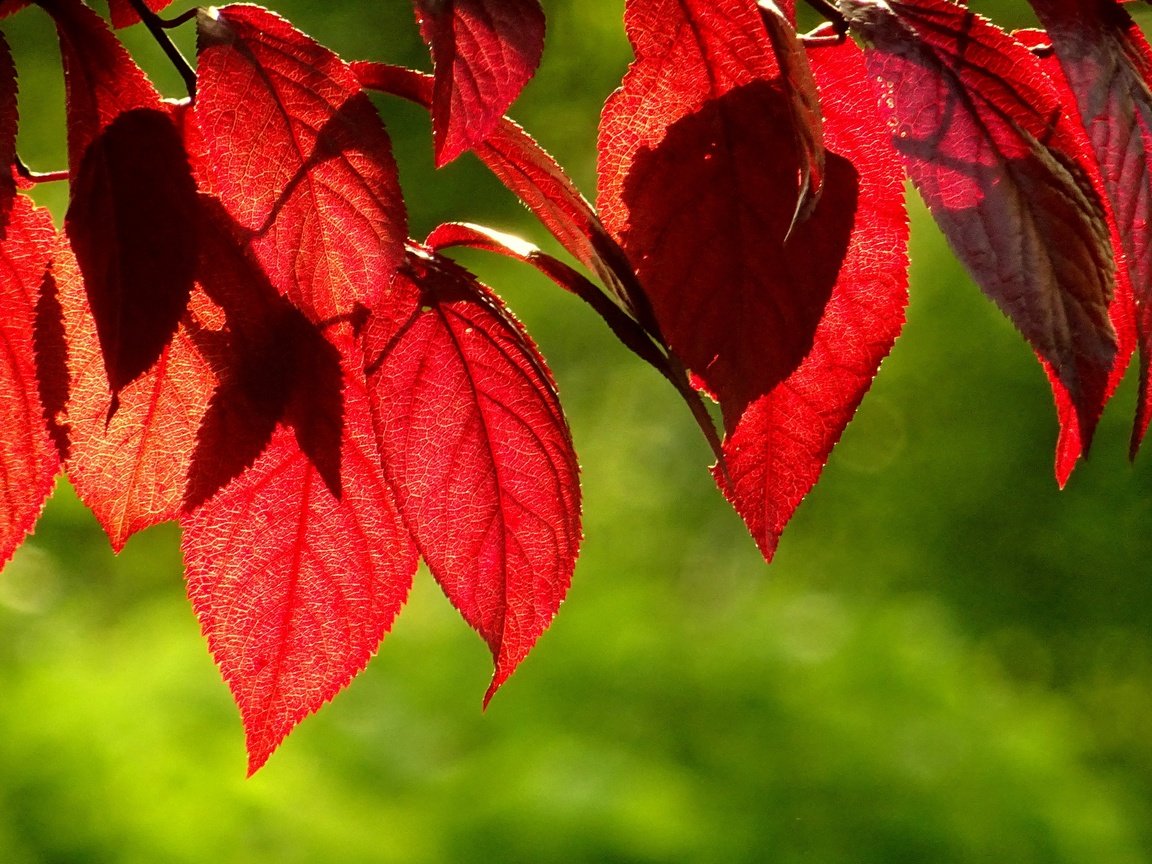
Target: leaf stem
[(828, 9), (38, 176), (157, 26)]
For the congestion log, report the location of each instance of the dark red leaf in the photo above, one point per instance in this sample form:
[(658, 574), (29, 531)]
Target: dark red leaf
[(484, 52), (300, 159), (1107, 64), (777, 447), (294, 585), (1121, 311), (803, 101), (986, 140), (9, 115), (530, 173), (475, 443), (124, 15), (131, 466), (28, 456), (7, 7)]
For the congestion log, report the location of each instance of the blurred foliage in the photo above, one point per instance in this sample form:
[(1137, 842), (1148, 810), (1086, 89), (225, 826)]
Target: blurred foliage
[(950, 660)]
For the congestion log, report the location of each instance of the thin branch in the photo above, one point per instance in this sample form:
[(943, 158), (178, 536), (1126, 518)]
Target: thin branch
[(828, 9), (38, 176), (158, 27)]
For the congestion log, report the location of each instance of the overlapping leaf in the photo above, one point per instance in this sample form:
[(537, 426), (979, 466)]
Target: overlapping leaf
[(28, 456), (300, 159), (131, 466), (131, 219), (294, 584), (1107, 63), (474, 441), (484, 52), (780, 443), (987, 142)]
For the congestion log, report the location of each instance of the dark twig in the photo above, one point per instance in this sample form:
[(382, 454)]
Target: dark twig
[(158, 27), (828, 9), (38, 176)]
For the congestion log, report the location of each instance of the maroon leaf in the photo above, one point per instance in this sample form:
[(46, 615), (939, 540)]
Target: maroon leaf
[(7, 7), (28, 456), (474, 441), (1121, 311), (123, 14), (1107, 63), (777, 447), (9, 116), (300, 159), (484, 52), (294, 585), (987, 142)]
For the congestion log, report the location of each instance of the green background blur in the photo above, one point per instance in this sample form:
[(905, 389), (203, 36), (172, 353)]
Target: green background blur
[(949, 660)]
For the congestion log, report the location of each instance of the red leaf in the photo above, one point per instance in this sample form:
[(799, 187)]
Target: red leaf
[(986, 140), (300, 159), (28, 457), (124, 15), (484, 52), (474, 441), (696, 156), (7, 7), (530, 173), (131, 466), (778, 446), (9, 115), (294, 585), (131, 219), (1107, 65)]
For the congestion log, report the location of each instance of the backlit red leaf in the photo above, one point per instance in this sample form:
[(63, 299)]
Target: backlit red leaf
[(1107, 63), (484, 52), (131, 466), (986, 140), (294, 585), (28, 457), (131, 218), (124, 15), (300, 159), (475, 443), (777, 447)]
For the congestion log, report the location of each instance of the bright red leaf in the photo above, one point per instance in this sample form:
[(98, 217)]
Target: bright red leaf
[(124, 15), (475, 443), (131, 466), (484, 52), (1107, 63), (300, 159), (986, 140), (28, 457), (294, 585), (131, 218), (777, 447)]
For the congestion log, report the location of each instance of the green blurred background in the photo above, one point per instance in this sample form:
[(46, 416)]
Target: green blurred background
[(949, 660)]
